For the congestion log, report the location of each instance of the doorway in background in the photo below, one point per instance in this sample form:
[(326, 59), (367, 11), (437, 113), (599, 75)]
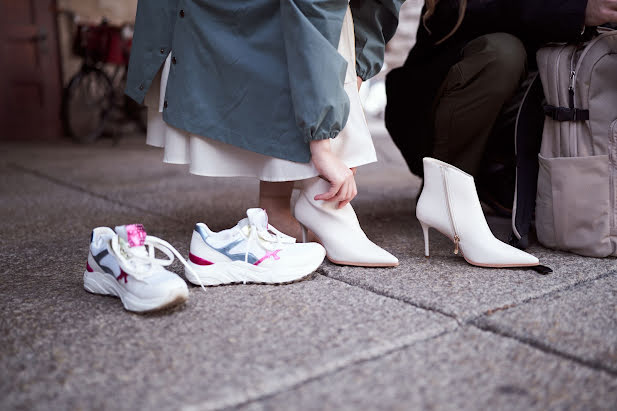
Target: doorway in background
[(30, 80)]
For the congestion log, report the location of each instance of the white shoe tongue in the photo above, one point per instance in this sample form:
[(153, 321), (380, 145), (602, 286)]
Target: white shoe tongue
[(258, 217), (133, 234)]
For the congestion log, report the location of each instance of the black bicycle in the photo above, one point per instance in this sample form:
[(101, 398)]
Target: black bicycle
[(94, 98)]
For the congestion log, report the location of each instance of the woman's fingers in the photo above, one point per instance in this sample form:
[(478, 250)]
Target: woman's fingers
[(599, 12), (341, 194), (330, 195), (352, 192), (345, 197), (343, 203), (333, 192), (341, 191)]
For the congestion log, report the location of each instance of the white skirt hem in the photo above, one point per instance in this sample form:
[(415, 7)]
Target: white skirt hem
[(209, 157)]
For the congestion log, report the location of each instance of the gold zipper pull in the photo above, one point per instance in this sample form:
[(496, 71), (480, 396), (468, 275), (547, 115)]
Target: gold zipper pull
[(456, 241)]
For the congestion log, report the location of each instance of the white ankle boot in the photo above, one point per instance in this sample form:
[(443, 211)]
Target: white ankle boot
[(338, 229), (449, 203)]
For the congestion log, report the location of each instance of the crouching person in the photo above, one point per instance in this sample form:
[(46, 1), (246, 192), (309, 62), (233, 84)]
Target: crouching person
[(458, 94)]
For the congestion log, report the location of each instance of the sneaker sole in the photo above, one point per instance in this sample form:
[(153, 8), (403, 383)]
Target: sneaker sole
[(103, 284), (239, 272)]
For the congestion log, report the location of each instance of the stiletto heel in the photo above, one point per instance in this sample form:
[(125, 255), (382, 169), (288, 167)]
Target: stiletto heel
[(338, 230), (304, 233), (425, 229), (449, 204)]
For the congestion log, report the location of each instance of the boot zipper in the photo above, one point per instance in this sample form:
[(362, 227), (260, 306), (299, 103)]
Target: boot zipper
[(456, 239)]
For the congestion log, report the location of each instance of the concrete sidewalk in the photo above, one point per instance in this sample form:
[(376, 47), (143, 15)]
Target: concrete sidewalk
[(430, 334)]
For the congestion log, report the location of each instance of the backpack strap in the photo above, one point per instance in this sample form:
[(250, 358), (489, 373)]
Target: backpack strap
[(566, 114), (528, 138)]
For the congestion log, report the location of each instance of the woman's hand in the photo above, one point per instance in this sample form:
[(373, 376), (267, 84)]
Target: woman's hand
[(332, 169), (601, 11)]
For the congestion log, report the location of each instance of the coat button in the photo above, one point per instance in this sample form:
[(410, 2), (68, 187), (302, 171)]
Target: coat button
[(182, 13), (162, 51), (165, 104), (173, 60), (141, 86)]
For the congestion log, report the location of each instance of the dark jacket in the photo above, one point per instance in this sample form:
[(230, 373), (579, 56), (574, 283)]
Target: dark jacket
[(412, 88)]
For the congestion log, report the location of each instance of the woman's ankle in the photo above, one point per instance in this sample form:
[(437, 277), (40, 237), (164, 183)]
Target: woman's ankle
[(268, 189), (275, 198)]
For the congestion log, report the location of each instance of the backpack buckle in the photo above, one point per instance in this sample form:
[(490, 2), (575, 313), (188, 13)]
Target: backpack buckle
[(566, 114)]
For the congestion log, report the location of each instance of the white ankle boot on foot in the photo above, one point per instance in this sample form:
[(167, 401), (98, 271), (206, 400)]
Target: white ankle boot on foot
[(338, 229), (449, 203)]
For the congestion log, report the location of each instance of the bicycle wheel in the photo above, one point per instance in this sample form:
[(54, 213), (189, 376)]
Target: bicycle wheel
[(86, 104)]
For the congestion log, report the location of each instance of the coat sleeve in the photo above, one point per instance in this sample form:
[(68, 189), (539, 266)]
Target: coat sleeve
[(311, 32), (375, 22), (154, 27)]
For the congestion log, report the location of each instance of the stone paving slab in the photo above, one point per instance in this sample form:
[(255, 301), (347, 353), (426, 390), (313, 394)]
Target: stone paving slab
[(465, 370), (63, 348), (66, 349), (445, 282), (39, 215), (134, 174), (580, 322), (237, 344)]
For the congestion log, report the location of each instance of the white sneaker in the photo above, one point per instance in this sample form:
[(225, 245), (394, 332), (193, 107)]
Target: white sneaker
[(119, 264), (250, 252)]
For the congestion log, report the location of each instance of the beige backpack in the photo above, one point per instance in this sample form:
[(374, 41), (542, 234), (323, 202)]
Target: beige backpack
[(576, 201)]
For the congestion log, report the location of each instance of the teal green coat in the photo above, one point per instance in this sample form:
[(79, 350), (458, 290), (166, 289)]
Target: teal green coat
[(263, 75)]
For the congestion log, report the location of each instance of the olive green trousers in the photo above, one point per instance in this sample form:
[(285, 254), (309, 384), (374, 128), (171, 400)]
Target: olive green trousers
[(474, 96)]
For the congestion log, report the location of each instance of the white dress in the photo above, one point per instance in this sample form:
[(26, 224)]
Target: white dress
[(209, 157)]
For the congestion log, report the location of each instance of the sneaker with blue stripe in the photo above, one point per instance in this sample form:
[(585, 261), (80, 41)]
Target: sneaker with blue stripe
[(251, 252), (122, 263)]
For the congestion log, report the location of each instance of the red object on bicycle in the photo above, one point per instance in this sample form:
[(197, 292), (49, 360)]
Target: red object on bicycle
[(102, 43)]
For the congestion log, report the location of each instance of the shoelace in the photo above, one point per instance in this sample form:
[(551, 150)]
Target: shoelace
[(144, 264), (269, 235)]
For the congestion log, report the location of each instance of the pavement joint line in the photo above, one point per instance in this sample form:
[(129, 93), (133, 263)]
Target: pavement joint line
[(371, 354), (476, 321), (402, 300), (481, 323), (81, 189), (549, 294), (545, 348), (464, 321)]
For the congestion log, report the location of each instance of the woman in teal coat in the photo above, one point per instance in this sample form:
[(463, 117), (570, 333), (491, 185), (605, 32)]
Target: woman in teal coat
[(264, 88)]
